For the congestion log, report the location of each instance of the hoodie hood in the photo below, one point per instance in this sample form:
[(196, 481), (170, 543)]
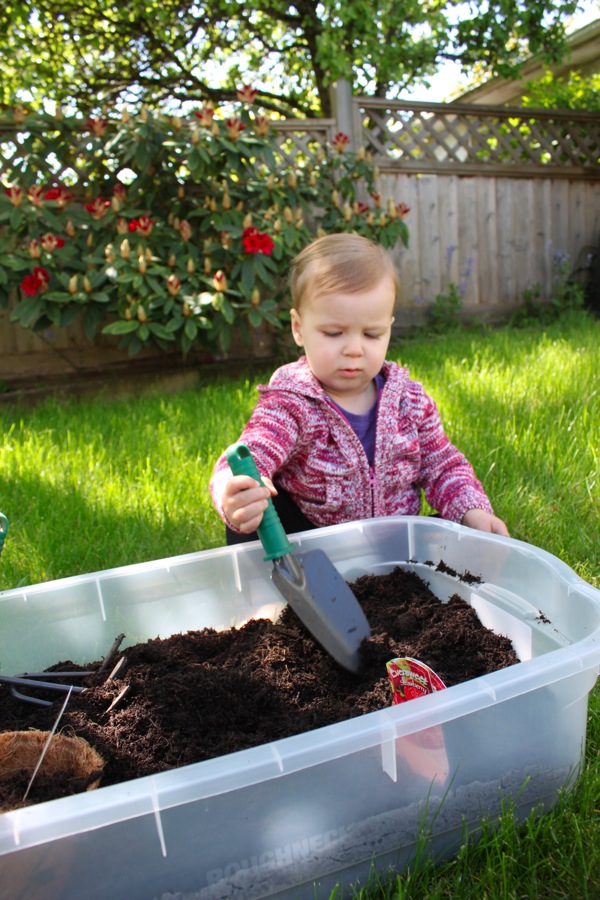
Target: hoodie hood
[(298, 378)]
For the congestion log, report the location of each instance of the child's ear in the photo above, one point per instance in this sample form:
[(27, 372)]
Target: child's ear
[(296, 327)]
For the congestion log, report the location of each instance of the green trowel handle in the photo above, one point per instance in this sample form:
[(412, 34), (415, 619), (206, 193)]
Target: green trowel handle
[(3, 529), (270, 531)]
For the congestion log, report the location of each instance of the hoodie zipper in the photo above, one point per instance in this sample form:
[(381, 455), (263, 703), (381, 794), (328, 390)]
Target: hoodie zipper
[(373, 486), (373, 483)]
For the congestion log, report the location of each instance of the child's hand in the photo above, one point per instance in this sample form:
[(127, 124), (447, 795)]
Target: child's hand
[(245, 500), (484, 521)]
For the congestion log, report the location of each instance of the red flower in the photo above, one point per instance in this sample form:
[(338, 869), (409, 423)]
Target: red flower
[(173, 285), (119, 191), (98, 126), (51, 242), (253, 241), (235, 127), (15, 195), (35, 195), (402, 210), (340, 142), (98, 208), (144, 225), (37, 281), (59, 194), (29, 286), (42, 275), (205, 115), (220, 281), (185, 230), (262, 125), (247, 94)]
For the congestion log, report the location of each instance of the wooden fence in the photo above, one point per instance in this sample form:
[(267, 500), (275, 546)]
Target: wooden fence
[(501, 201), (494, 237)]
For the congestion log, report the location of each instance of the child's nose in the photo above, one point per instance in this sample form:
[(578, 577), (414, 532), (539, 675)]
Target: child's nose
[(354, 345)]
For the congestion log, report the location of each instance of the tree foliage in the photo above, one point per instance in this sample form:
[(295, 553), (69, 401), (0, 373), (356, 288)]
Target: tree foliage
[(155, 51), (575, 92)]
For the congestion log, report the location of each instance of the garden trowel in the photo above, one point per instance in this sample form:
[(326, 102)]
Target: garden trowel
[(3, 530), (308, 580)]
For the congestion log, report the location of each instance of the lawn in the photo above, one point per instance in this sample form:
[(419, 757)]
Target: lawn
[(96, 483)]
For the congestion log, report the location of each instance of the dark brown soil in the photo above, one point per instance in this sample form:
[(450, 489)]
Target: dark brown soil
[(203, 694)]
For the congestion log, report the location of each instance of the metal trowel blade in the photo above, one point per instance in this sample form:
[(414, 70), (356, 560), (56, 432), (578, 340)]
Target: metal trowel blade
[(324, 603)]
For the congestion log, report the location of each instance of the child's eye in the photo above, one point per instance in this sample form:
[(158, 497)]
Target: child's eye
[(332, 333), (371, 335)]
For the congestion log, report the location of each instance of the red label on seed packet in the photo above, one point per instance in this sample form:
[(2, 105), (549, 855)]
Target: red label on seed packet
[(424, 751), (410, 678)]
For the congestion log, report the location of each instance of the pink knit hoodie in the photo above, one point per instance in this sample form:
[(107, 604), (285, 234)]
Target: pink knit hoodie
[(302, 442)]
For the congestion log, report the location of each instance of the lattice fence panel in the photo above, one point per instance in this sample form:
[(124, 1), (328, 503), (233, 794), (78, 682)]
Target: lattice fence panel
[(434, 137), (302, 140)]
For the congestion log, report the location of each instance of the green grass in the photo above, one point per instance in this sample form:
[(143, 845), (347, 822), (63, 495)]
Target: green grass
[(92, 484), (88, 485)]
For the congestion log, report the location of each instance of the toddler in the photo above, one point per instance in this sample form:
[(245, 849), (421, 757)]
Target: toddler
[(342, 434)]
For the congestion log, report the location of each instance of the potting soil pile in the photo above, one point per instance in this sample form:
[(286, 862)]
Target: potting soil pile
[(203, 694)]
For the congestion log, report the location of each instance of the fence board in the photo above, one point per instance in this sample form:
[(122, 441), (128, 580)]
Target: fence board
[(468, 252), (427, 223), (448, 224), (511, 228), (405, 189)]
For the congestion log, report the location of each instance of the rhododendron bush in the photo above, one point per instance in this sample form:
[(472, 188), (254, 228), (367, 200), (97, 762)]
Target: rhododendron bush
[(167, 230)]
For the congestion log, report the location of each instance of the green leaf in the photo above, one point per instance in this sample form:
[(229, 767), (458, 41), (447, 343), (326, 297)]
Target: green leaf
[(249, 273), (27, 311), (160, 331), (255, 318), (225, 339), (100, 297), (190, 329), (92, 317), (58, 296), (142, 156), (122, 326), (16, 217), (273, 320), (158, 288), (227, 311), (186, 342), (69, 314), (134, 345)]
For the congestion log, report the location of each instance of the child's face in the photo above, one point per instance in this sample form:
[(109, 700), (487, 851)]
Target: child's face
[(345, 338)]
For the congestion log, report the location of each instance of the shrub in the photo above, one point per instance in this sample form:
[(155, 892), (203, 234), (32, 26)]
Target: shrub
[(170, 231)]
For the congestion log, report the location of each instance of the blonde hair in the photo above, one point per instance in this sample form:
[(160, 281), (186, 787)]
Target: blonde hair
[(345, 263)]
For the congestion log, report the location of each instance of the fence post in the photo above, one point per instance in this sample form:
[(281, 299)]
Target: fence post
[(343, 111)]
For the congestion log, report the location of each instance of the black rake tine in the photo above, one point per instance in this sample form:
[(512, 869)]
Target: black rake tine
[(31, 682)]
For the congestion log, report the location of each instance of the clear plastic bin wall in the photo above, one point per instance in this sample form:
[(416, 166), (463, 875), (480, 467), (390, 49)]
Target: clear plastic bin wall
[(316, 808)]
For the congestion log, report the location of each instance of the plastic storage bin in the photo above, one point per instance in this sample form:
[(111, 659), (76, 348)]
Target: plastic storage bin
[(295, 817)]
